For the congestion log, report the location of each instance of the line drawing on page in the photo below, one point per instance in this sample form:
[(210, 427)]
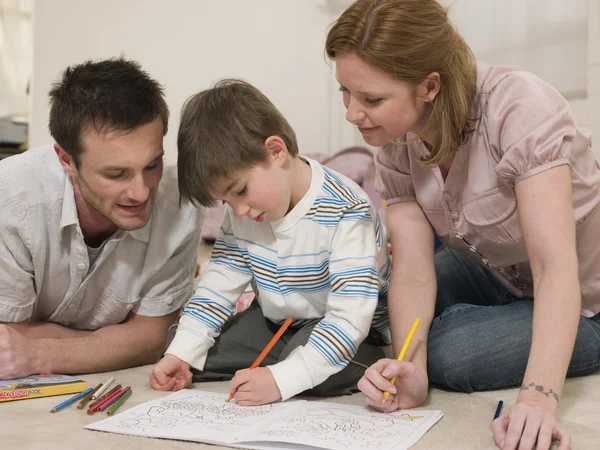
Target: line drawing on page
[(366, 430), (197, 416), (210, 412)]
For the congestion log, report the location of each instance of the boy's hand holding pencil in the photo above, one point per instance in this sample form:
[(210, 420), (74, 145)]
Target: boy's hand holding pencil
[(171, 374), (254, 387), (257, 386)]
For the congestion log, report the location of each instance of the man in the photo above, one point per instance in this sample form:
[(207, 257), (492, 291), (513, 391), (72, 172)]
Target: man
[(96, 258)]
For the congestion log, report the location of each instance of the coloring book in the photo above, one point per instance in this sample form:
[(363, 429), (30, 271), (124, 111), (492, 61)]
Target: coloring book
[(42, 385), (197, 416)]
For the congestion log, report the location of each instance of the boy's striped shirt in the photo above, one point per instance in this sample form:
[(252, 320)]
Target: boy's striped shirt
[(327, 260)]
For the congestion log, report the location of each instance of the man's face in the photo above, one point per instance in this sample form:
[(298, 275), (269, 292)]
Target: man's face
[(118, 175)]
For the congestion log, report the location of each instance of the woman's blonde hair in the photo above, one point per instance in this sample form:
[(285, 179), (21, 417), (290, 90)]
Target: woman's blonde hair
[(410, 39)]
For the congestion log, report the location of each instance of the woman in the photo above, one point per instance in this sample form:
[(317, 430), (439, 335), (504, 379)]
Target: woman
[(489, 157)]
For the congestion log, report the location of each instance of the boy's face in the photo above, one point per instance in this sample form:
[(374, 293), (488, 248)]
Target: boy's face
[(261, 193)]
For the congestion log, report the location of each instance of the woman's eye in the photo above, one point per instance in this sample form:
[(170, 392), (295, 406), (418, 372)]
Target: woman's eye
[(373, 101)]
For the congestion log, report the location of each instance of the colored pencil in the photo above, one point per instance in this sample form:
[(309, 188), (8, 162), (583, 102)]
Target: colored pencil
[(402, 354), (102, 390), (268, 348), (116, 405), (97, 406), (109, 401), (71, 400), (498, 409), (85, 399), (105, 396)]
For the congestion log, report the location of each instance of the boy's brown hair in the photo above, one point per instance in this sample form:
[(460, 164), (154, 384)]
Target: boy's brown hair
[(223, 129)]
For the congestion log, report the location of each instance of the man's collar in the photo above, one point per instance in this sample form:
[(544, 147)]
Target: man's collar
[(69, 208), (143, 234)]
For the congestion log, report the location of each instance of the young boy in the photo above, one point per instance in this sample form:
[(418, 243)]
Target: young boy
[(306, 237)]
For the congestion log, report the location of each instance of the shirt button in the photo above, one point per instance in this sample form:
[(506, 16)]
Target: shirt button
[(72, 308), (129, 306), (473, 249), (522, 286), (81, 266), (460, 235)]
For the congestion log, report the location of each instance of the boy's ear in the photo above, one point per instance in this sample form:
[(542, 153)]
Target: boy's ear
[(277, 149), (65, 160)]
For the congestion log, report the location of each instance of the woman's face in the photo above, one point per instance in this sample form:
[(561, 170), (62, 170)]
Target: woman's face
[(381, 107)]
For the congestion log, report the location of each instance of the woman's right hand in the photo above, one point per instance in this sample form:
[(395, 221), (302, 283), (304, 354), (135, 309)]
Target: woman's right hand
[(171, 374), (408, 391)]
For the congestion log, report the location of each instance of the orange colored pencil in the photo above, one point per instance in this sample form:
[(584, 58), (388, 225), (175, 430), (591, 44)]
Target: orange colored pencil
[(268, 348)]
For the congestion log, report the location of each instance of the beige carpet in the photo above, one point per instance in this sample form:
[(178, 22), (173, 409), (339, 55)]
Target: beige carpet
[(28, 424)]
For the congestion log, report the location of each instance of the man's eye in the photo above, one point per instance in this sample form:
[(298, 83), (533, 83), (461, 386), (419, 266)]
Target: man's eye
[(115, 175), (242, 192)]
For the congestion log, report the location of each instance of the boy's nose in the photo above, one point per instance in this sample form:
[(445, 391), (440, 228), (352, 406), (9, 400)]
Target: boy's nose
[(241, 210)]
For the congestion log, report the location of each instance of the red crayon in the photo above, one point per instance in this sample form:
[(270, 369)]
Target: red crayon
[(113, 399), (92, 409), (104, 397)]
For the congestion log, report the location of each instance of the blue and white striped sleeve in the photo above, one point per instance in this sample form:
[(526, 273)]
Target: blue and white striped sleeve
[(227, 275), (351, 302)]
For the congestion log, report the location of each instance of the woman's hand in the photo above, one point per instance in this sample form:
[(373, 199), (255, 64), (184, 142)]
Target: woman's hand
[(408, 391), (529, 425)]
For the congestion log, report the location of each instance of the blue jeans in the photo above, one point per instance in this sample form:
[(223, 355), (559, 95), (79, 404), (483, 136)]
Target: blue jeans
[(481, 335)]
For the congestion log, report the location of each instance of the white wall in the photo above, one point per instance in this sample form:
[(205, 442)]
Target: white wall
[(275, 44), (545, 37), (16, 56), (187, 45), (587, 111)]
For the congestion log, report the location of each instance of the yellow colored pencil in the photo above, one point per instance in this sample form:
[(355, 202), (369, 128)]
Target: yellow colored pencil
[(411, 333)]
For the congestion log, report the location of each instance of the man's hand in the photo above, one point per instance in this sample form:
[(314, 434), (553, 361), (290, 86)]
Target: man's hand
[(408, 391), (253, 387), (171, 374), (16, 358)]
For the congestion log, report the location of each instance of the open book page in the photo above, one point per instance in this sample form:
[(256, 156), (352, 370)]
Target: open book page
[(190, 415), (341, 427)]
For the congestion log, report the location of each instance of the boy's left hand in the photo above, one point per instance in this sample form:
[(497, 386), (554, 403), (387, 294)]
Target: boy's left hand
[(253, 387)]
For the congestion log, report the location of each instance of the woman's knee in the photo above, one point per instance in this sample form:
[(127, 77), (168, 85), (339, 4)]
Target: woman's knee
[(446, 369)]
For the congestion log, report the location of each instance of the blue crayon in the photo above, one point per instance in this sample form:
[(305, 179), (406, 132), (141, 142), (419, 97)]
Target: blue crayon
[(498, 409), (71, 400)]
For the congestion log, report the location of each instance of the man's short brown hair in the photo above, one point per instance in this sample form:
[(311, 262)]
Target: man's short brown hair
[(109, 95), (223, 129)]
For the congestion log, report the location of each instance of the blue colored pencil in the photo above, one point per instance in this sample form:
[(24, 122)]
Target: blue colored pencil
[(71, 400), (498, 409)]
